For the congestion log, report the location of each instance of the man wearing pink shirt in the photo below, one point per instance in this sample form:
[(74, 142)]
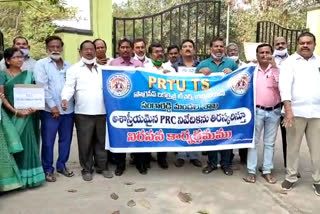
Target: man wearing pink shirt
[(125, 51), (267, 116)]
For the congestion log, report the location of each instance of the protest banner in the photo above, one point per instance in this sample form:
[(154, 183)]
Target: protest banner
[(154, 112)]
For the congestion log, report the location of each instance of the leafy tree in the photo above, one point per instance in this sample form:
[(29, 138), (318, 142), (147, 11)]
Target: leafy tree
[(291, 14), (33, 20)]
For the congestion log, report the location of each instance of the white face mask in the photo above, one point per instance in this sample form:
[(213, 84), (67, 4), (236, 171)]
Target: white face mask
[(140, 57), (280, 53), (25, 51), (88, 61), (216, 57), (234, 58)]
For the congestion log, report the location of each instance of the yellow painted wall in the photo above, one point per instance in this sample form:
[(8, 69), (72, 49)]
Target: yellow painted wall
[(313, 24), (101, 19)]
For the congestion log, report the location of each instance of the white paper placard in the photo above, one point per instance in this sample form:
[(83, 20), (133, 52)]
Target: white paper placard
[(184, 69), (28, 96), (250, 50)]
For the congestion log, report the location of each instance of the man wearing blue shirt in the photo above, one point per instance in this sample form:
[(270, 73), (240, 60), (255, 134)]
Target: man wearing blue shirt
[(51, 73), (217, 63)]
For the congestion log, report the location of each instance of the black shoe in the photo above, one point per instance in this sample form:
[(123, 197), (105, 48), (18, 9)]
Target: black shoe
[(208, 169), (163, 164), (142, 170), (227, 170), (179, 162), (119, 171), (196, 162), (148, 165)]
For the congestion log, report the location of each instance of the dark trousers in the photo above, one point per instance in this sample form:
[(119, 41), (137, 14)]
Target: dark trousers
[(50, 126), (91, 132), (162, 156), (120, 159), (225, 158), (284, 142), (243, 153), (142, 160)]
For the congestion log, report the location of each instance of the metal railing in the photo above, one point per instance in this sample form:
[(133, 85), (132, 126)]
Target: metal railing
[(196, 20)]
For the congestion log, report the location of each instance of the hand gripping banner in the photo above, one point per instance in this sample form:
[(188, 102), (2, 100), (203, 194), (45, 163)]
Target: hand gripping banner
[(155, 112)]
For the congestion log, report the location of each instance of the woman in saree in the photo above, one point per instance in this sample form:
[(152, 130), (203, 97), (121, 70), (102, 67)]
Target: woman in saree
[(20, 127)]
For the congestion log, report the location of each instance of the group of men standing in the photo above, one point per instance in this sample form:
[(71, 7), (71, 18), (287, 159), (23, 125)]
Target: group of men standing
[(73, 94)]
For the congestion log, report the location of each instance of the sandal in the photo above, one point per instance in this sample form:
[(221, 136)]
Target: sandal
[(66, 172), (251, 178), (269, 178), (227, 170), (50, 177)]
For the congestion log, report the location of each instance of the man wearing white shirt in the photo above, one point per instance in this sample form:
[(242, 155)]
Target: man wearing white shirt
[(139, 50), (300, 92), (84, 83), (280, 54), (156, 65)]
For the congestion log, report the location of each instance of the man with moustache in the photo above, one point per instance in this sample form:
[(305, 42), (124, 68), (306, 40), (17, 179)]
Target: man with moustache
[(142, 160), (173, 54), (217, 63), (187, 64), (101, 49), (125, 50), (300, 93), (51, 73), (267, 115), (22, 43), (84, 83), (139, 50)]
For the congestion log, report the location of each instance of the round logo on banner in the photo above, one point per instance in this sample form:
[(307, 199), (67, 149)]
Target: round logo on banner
[(119, 85), (239, 84)]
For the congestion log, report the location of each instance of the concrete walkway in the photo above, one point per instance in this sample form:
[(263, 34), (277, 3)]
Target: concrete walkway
[(157, 192)]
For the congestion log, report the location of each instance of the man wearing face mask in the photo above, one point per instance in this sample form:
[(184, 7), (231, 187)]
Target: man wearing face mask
[(280, 55), (84, 83), (22, 43), (217, 63), (142, 160), (280, 50), (233, 53), (139, 50), (51, 73)]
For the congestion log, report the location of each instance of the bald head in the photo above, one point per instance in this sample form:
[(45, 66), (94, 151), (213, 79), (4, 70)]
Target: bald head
[(280, 43)]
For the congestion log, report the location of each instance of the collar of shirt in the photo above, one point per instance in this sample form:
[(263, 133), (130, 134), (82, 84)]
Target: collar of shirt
[(95, 65), (181, 63), (299, 57), (52, 61), (131, 61), (223, 59), (265, 71), (146, 60)]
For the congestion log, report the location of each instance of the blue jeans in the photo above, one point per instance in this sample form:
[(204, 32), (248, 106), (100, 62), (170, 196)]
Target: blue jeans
[(50, 126), (191, 155), (268, 121)]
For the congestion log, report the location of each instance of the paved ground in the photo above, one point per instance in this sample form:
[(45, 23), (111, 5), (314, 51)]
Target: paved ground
[(213, 193)]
